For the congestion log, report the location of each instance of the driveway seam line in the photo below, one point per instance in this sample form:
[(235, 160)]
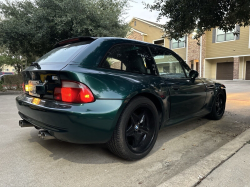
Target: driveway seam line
[(223, 161)]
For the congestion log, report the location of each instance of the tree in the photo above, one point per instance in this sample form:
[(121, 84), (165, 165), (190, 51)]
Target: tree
[(17, 61), (32, 28), (186, 15)]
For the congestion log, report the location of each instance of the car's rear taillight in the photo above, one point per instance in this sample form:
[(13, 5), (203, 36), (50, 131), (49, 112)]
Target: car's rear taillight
[(25, 88), (73, 92)]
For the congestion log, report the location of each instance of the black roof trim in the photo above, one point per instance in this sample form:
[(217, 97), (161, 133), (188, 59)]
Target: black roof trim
[(74, 40)]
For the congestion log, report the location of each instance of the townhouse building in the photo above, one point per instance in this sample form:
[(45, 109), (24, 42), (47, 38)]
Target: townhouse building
[(220, 55), (6, 69)]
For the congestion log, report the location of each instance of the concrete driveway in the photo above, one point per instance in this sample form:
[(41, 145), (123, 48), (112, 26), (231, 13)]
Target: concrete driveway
[(27, 160)]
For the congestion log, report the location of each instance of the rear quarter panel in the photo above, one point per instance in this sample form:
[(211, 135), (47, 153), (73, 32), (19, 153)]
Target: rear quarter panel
[(115, 84)]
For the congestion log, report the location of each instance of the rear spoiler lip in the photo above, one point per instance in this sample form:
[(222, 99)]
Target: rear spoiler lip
[(74, 40)]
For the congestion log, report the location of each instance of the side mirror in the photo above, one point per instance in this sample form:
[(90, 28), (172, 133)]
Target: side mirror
[(193, 74)]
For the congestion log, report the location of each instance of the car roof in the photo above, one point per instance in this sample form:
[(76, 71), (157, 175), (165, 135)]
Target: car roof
[(117, 40), (97, 48), (126, 40)]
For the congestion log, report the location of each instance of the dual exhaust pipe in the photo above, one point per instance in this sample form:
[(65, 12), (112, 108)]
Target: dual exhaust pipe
[(44, 134), (23, 123)]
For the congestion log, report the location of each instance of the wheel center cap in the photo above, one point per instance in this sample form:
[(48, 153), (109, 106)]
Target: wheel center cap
[(136, 127)]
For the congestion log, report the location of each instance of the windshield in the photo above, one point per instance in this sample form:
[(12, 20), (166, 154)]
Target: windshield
[(62, 54)]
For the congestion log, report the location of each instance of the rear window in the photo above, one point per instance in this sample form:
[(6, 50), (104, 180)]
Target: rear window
[(62, 54)]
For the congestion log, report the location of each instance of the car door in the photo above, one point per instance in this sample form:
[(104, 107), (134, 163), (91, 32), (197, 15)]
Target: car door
[(187, 96)]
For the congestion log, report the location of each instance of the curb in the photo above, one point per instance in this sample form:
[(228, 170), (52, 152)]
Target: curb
[(194, 174), (11, 93)]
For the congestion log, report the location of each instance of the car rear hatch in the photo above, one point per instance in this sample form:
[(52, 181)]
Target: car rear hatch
[(43, 76)]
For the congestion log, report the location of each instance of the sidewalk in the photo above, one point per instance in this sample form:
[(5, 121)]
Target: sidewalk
[(234, 172), (11, 92), (229, 166)]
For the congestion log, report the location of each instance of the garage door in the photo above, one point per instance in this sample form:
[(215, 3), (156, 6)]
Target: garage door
[(248, 71), (225, 71)]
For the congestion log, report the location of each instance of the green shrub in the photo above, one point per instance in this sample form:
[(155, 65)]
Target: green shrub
[(13, 81)]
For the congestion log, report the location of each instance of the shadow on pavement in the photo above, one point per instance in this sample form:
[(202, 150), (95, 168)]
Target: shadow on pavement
[(98, 153)]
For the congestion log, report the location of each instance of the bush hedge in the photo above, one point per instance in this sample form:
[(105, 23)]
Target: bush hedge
[(1, 86), (11, 82)]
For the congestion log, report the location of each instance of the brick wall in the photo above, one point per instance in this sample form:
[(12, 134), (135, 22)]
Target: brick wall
[(135, 36), (193, 50), (194, 53), (236, 67)]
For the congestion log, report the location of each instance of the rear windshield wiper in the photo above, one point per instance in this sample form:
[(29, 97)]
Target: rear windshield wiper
[(36, 65)]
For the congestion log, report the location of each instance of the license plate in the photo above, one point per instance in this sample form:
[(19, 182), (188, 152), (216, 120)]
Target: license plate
[(36, 101), (32, 88)]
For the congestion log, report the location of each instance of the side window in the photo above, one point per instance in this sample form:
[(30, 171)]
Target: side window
[(224, 36), (130, 58), (168, 66), (178, 43)]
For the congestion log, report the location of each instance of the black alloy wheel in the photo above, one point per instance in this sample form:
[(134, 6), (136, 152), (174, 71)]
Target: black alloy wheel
[(136, 131), (218, 107), (140, 129)]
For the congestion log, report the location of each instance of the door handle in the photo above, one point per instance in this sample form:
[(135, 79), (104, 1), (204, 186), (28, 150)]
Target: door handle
[(174, 87), (211, 87)]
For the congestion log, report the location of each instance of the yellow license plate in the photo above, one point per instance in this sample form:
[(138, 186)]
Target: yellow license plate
[(36, 101)]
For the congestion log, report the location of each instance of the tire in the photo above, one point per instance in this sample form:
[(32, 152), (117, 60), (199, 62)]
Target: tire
[(218, 107), (136, 131)]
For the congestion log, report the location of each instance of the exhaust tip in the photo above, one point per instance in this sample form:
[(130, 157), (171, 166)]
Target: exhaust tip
[(45, 135), (24, 123)]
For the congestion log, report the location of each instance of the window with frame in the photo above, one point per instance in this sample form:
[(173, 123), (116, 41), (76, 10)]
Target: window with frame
[(130, 58), (178, 43), (168, 65), (224, 36)]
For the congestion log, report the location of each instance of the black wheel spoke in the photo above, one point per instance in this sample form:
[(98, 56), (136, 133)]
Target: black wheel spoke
[(130, 131), (143, 140), (137, 139), (142, 118), (144, 130), (134, 118)]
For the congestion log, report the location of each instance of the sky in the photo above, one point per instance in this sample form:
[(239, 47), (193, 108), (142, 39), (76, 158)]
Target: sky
[(136, 9)]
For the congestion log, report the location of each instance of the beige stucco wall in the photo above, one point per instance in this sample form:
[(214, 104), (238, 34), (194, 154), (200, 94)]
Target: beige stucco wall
[(153, 33), (181, 52), (211, 66), (228, 48), (242, 68), (210, 69)]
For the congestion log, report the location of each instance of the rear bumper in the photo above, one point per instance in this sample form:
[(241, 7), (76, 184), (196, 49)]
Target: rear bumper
[(76, 123)]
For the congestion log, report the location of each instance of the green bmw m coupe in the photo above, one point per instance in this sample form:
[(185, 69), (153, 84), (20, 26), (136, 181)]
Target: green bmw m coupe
[(115, 91)]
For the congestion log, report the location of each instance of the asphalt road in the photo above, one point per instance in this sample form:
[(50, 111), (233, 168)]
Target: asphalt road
[(27, 160)]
